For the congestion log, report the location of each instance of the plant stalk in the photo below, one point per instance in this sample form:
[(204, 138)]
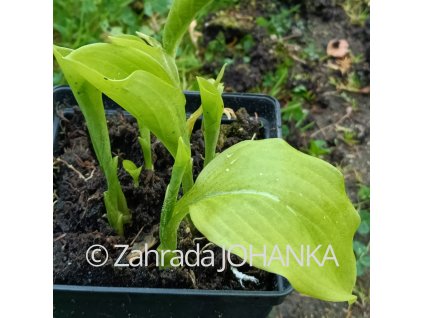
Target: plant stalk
[(145, 143)]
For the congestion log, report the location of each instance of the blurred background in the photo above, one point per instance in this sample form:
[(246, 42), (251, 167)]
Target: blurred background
[(313, 56)]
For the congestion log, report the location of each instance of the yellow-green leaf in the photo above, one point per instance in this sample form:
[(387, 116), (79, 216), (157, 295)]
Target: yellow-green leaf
[(266, 193), (136, 81)]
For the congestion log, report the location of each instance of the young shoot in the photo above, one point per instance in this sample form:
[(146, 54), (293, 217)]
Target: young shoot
[(133, 171), (145, 142), (253, 195)]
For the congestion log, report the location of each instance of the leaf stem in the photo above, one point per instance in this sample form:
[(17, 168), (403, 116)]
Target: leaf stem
[(210, 154), (145, 143), (182, 164), (187, 179)]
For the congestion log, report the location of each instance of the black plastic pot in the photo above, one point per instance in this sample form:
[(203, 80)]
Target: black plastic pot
[(116, 302)]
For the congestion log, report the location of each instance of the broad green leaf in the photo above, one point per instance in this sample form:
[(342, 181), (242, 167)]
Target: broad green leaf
[(91, 104), (180, 16), (126, 54), (133, 171), (135, 83), (145, 44), (265, 194), (212, 105)]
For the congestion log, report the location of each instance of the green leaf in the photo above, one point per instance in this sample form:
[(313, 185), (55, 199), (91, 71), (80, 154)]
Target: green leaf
[(293, 111), (364, 227), (266, 193), (150, 46), (359, 248), (360, 269), (363, 257), (318, 147), (364, 193), (212, 105), (156, 6), (91, 104), (194, 116), (126, 54), (135, 75), (365, 260), (180, 16), (133, 171)]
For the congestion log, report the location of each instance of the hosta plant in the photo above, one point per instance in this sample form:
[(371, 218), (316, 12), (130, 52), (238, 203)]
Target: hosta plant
[(256, 193)]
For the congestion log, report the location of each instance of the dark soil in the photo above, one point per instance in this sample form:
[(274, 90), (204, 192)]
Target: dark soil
[(79, 213), (234, 24)]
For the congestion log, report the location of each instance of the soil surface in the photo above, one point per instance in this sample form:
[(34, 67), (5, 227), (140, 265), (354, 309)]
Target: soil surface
[(79, 212)]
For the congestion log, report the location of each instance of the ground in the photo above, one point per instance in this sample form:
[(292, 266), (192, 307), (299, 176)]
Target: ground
[(278, 48)]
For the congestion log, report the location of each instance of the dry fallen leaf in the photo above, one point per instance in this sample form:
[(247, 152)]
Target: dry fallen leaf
[(229, 112), (363, 90), (194, 35), (344, 64), (337, 48), (341, 64), (148, 241)]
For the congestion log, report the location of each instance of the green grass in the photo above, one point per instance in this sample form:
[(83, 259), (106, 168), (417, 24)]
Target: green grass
[(280, 24), (81, 22), (357, 10)]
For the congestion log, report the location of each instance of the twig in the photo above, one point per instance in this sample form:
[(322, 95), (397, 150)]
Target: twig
[(90, 176), (192, 276), (198, 239), (256, 117), (60, 114), (363, 90), (204, 247), (136, 236), (59, 237), (297, 59), (321, 130), (292, 36), (349, 312), (229, 112), (80, 175)]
